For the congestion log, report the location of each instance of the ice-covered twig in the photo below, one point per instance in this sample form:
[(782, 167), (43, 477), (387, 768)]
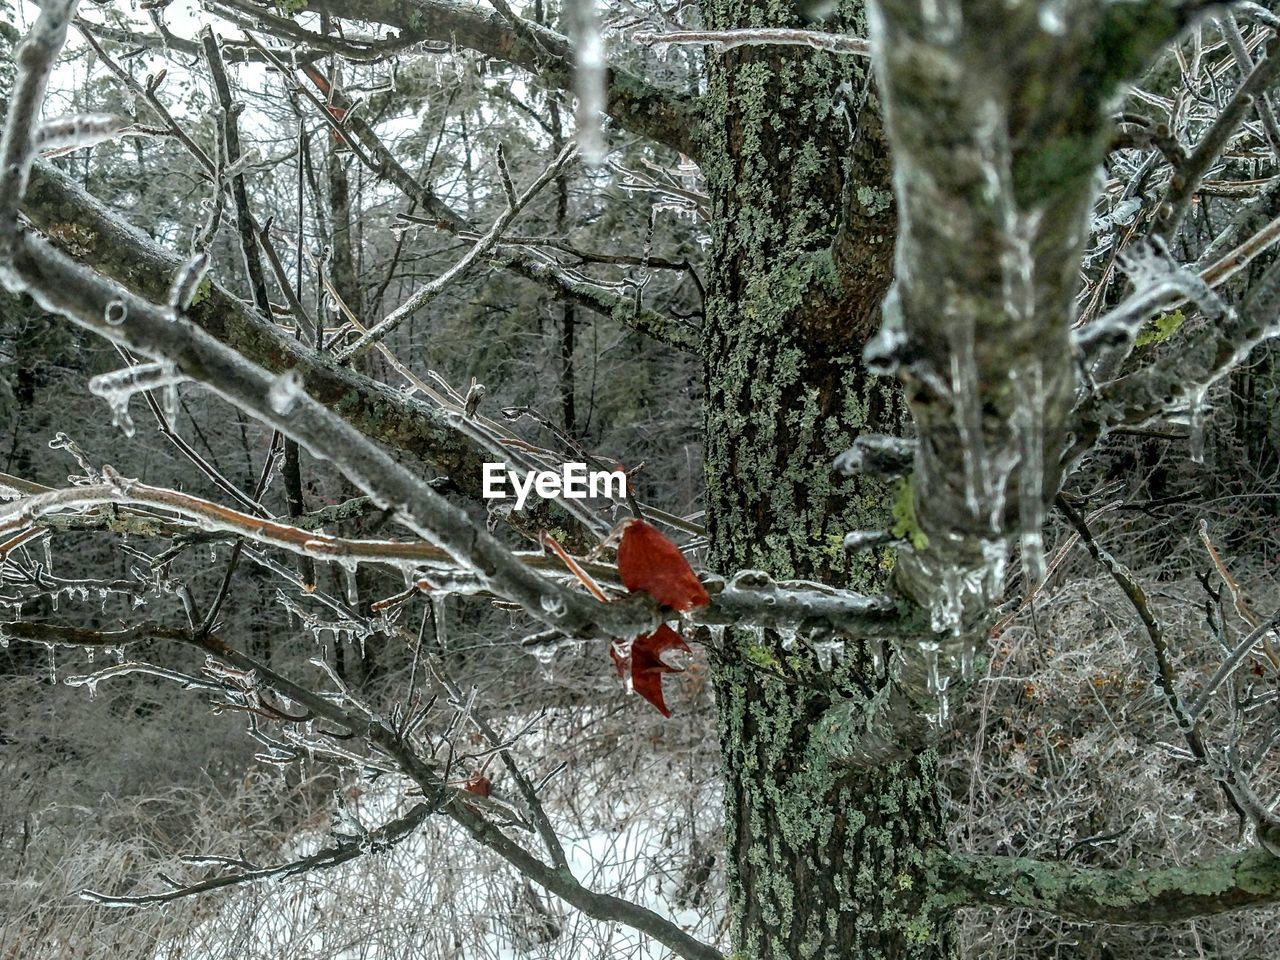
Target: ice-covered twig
[(1160, 283), (35, 57), (745, 600), (131, 668), (879, 455), (752, 598), (729, 39), (1205, 356), (82, 130), (1237, 595), (1232, 663), (59, 636), (232, 170), (382, 838), (428, 292), (1181, 191)]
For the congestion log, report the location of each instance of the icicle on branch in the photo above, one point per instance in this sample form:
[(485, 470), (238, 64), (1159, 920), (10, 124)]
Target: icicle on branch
[(589, 77)]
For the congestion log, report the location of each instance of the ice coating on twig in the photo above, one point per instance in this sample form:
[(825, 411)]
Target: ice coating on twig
[(118, 387), (79, 131)]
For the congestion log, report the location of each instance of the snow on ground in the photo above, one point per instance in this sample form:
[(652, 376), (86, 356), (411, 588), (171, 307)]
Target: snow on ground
[(440, 895)]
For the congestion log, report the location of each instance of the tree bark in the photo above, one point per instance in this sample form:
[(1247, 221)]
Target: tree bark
[(824, 860)]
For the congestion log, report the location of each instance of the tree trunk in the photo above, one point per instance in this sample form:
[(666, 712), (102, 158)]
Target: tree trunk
[(825, 860)]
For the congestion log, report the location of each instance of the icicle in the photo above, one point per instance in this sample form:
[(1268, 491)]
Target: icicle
[(1029, 425), (829, 651), (285, 393), (966, 402), (186, 282), (587, 40), (119, 386), (929, 650), (1195, 420)]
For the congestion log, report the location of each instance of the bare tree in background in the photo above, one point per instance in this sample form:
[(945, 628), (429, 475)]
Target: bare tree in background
[(923, 319)]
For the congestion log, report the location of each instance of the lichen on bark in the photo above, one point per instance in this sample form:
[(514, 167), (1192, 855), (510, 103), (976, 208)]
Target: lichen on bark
[(825, 860)]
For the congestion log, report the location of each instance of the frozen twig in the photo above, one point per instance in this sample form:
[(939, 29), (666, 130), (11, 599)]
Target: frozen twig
[(376, 841), (428, 292), (729, 39)]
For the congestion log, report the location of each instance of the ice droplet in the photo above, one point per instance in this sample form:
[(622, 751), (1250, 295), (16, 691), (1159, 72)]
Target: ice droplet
[(116, 313)]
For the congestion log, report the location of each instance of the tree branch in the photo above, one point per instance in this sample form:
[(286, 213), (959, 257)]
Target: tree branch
[(744, 600), (441, 797), (377, 841), (1126, 895), (634, 103), (1203, 357), (85, 228)]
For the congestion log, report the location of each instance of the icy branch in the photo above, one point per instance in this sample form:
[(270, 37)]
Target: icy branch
[(1096, 894), (383, 838), (35, 57), (442, 797), (1205, 355), (630, 100), (729, 39), (749, 599)]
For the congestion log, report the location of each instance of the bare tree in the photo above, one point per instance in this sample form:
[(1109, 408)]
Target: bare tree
[(910, 343)]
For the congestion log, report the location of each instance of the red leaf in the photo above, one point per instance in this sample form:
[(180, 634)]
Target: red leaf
[(649, 562), (647, 665), (478, 784)]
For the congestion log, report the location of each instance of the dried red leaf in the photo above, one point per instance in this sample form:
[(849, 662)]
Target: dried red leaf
[(478, 784), (646, 664), (650, 563)]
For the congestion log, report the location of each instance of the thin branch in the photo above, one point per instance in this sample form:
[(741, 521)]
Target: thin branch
[(729, 39), (1214, 142), (425, 294), (745, 599)]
